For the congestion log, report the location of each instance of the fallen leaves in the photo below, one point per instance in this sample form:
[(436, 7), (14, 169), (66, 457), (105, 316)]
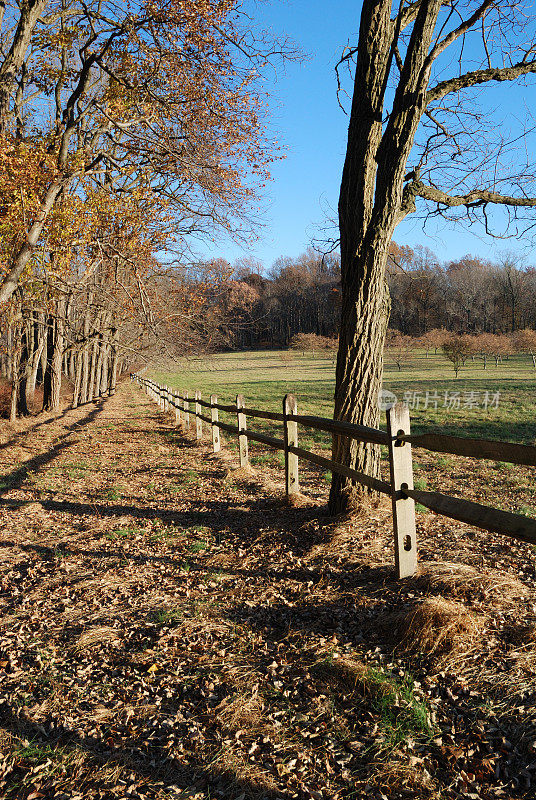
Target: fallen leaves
[(135, 663)]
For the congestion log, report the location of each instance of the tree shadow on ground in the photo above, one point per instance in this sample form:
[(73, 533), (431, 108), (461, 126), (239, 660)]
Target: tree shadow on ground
[(15, 479), (143, 759), (30, 431)]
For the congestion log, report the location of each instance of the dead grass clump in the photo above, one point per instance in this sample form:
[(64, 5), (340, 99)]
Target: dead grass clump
[(441, 628), (299, 500), (97, 636), (243, 475), (523, 653), (244, 711), (462, 580), (231, 766), (342, 672)]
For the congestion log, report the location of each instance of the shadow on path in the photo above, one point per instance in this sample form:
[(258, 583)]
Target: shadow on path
[(144, 759), (15, 479)]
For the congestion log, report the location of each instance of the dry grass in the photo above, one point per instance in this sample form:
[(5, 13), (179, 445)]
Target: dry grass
[(464, 581), (244, 474), (297, 500), (95, 637), (344, 672), (244, 711), (408, 775), (443, 629)]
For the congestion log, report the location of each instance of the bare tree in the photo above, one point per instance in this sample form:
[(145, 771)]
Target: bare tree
[(417, 143)]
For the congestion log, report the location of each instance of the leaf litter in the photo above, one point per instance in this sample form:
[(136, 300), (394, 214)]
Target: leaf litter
[(172, 629)]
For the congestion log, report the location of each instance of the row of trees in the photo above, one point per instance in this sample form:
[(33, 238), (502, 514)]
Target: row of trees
[(303, 295), (469, 294), (458, 349), (401, 349), (127, 134)]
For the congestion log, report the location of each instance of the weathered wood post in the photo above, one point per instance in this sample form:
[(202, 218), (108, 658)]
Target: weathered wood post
[(198, 420), (242, 426), (166, 398), (187, 410), (290, 434), (402, 478), (215, 428), (177, 401), (161, 402)]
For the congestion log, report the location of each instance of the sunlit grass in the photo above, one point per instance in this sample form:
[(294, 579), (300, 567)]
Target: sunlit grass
[(496, 402)]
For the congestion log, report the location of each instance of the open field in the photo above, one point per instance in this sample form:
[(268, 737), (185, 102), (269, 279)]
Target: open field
[(492, 403), (264, 377), (171, 630)]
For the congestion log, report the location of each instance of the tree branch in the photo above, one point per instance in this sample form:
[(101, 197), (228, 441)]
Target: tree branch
[(473, 198), (480, 76)]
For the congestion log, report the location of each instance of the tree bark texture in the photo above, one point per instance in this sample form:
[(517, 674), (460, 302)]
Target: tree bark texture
[(370, 207)]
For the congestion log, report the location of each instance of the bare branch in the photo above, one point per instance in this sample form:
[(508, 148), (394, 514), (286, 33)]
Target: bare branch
[(476, 197), (480, 76)]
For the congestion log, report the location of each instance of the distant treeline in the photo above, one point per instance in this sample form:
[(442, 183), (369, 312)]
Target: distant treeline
[(302, 295)]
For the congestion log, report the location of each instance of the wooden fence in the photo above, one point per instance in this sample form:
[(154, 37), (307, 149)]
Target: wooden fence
[(398, 441)]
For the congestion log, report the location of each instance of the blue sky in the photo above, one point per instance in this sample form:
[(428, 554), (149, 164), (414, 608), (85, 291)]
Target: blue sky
[(311, 126)]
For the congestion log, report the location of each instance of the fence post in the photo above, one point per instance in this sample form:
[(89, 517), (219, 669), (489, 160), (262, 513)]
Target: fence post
[(242, 439), (177, 402), (402, 478), (215, 428), (161, 401), (290, 434), (198, 421), (186, 410), (166, 398)]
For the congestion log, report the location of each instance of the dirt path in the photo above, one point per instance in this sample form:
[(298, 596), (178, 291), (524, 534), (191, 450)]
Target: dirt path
[(171, 629)]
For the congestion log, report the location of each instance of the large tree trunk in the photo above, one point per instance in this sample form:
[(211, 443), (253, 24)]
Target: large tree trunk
[(105, 365), (371, 203), (26, 342), (9, 371), (14, 358), (84, 355), (77, 379), (114, 359), (98, 368), (365, 314), (47, 375), (93, 370)]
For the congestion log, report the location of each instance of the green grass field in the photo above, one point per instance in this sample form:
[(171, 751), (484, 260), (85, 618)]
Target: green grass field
[(492, 403), (496, 402)]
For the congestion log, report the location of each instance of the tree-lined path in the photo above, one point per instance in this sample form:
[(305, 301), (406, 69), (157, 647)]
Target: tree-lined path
[(169, 628)]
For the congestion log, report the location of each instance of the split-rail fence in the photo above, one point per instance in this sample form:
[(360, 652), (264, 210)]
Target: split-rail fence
[(398, 441)]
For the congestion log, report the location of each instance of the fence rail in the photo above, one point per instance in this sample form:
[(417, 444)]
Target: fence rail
[(398, 441)]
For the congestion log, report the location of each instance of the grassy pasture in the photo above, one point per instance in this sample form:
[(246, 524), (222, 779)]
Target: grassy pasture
[(498, 402), (264, 377)]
